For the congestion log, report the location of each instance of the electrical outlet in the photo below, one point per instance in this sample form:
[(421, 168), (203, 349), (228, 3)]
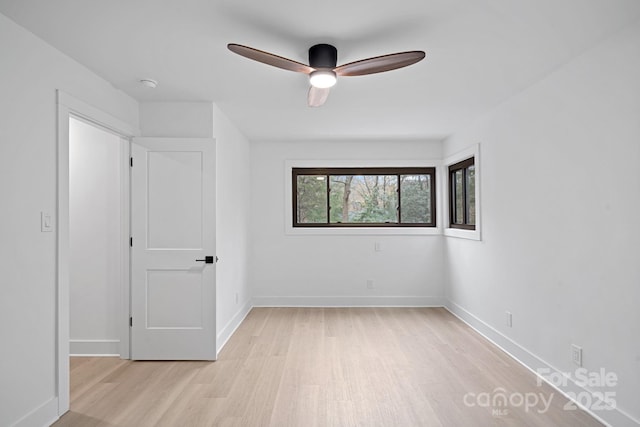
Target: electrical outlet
[(369, 284), (509, 319), (576, 354)]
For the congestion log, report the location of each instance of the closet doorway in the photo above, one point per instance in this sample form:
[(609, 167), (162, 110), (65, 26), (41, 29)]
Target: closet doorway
[(97, 221)]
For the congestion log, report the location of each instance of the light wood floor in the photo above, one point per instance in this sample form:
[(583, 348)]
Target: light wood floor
[(321, 367)]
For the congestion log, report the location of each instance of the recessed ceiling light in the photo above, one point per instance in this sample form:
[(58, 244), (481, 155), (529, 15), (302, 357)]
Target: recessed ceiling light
[(149, 83)]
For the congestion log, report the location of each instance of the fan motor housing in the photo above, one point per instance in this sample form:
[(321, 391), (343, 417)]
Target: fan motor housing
[(323, 56)]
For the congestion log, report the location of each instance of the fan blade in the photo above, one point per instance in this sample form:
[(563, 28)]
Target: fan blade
[(269, 58), (317, 96), (380, 63)]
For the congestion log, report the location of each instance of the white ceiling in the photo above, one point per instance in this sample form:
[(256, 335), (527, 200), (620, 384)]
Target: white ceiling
[(479, 53)]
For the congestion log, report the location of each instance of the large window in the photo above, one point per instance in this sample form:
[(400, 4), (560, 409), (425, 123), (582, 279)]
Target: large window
[(364, 197), (462, 195)]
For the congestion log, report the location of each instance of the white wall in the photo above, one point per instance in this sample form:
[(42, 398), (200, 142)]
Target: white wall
[(232, 226), (31, 73), (334, 269), (177, 119), (568, 274), (94, 239), (560, 204)]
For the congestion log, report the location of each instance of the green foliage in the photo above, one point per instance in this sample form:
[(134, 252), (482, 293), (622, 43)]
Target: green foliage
[(364, 199), (471, 195), (312, 199), (339, 203), (415, 198), (379, 199)]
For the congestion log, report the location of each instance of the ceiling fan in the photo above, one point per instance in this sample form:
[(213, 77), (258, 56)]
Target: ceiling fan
[(322, 69)]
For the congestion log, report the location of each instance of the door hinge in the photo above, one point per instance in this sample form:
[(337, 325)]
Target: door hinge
[(130, 161), (131, 242), (130, 321)]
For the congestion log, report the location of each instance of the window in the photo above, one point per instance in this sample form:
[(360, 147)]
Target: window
[(364, 197), (462, 195)]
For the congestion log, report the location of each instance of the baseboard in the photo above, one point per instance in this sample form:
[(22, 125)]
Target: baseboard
[(348, 301), (231, 326), (94, 347), (610, 416), (44, 415)]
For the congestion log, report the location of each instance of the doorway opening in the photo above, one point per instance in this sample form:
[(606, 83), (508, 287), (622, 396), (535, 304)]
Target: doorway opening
[(97, 223), (70, 108)]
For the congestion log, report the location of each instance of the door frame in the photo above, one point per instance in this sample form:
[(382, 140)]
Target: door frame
[(67, 107)]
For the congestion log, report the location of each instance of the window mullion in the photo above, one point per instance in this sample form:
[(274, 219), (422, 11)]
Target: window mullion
[(399, 207)]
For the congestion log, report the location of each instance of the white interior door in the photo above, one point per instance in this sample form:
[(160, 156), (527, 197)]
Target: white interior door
[(173, 227)]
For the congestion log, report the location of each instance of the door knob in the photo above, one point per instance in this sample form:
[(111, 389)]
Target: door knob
[(207, 259)]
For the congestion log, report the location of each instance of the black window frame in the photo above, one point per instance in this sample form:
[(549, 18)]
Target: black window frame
[(341, 171), (463, 166)]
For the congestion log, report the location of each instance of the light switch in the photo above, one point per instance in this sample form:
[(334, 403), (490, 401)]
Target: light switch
[(377, 247), (46, 222)]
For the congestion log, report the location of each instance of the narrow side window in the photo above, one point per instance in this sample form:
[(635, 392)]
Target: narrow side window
[(462, 195)]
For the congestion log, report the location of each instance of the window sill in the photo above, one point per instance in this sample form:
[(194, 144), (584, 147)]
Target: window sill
[(462, 233), (366, 231)]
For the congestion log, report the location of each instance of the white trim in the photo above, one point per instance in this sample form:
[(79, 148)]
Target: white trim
[(472, 151), (348, 301), (94, 355), (227, 332), (124, 349), (358, 231), (611, 416), (97, 116), (62, 261), (94, 347), (44, 415), (370, 231), (68, 106)]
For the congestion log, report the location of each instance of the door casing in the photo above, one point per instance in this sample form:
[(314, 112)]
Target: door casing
[(68, 106)]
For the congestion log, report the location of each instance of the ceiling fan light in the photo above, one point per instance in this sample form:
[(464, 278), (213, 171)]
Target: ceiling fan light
[(322, 79)]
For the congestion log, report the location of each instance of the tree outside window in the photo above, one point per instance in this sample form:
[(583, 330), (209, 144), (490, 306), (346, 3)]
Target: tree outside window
[(372, 197)]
